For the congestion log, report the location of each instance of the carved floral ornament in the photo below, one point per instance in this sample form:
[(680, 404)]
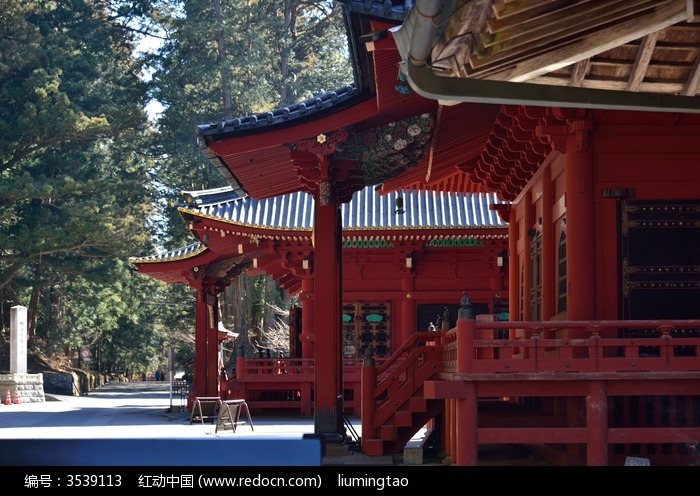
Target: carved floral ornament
[(390, 150), (323, 144), (384, 152)]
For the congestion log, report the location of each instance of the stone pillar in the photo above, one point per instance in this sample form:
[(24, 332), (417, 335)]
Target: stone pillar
[(18, 340)]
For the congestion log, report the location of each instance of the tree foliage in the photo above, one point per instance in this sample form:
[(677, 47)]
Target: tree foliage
[(86, 180), (75, 195), (223, 60)]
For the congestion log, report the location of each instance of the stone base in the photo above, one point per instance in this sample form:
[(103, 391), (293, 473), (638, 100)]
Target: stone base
[(413, 454), (23, 388), (413, 451)]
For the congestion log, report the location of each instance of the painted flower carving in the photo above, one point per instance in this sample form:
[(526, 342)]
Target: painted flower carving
[(400, 144), (391, 149)]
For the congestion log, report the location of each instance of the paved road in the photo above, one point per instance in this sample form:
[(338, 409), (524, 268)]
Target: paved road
[(142, 411), (128, 410), (141, 424)]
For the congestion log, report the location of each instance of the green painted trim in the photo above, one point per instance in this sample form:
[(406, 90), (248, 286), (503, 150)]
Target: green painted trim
[(450, 242), (367, 243)]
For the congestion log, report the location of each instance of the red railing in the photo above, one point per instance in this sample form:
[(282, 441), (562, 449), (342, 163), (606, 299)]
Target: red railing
[(507, 347), (595, 346), (287, 383), (404, 372)]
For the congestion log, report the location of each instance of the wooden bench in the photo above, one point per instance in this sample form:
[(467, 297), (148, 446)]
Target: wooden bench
[(205, 408)]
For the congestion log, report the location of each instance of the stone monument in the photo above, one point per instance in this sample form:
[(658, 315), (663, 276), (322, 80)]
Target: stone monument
[(18, 386), (18, 340)]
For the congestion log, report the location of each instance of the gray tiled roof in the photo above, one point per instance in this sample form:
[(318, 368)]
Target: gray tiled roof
[(423, 210), (368, 210), (213, 195), (171, 256), (281, 116), (293, 211), (396, 10)]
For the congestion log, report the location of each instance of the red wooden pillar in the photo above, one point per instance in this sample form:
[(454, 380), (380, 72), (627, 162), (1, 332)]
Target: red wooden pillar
[(548, 247), (466, 332), (199, 380), (307, 317), (213, 369), (306, 400), (206, 361), (467, 426), (307, 340), (513, 269), (369, 404), (240, 367), (597, 425), (408, 314), (527, 231), (328, 381), (450, 429), (466, 444), (580, 239)]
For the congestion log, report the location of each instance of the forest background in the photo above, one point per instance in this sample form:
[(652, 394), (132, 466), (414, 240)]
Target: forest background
[(99, 103)]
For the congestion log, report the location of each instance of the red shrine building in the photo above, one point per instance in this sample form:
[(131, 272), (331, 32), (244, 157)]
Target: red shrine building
[(404, 269), (587, 138)]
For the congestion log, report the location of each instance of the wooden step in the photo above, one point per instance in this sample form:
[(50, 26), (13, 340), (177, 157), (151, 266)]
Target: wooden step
[(403, 418), (388, 432), (418, 404)]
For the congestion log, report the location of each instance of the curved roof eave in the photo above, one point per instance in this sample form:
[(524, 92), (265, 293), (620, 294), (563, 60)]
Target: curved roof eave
[(368, 210)]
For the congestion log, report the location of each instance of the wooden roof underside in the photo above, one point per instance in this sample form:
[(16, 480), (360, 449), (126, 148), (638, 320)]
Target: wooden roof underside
[(477, 69), (617, 50)]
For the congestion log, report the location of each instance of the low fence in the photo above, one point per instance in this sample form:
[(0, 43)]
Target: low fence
[(572, 346), (499, 347)]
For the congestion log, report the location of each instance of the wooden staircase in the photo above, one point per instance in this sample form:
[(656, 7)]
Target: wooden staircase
[(407, 422), (399, 409)]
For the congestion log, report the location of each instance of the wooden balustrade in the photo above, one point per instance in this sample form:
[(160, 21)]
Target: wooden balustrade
[(476, 347), (596, 346)]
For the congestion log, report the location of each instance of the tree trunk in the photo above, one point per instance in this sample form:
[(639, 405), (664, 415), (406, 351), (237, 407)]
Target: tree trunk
[(222, 61), (33, 308)]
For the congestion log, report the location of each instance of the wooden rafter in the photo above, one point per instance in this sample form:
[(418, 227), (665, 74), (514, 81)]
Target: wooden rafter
[(646, 49), (648, 46)]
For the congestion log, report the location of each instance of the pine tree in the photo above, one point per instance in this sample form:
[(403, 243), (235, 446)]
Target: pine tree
[(223, 60), (75, 193)]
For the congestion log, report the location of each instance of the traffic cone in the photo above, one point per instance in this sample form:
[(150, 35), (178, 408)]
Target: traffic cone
[(8, 401), (17, 401)]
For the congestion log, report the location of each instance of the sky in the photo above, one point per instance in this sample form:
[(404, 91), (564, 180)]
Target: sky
[(146, 45)]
